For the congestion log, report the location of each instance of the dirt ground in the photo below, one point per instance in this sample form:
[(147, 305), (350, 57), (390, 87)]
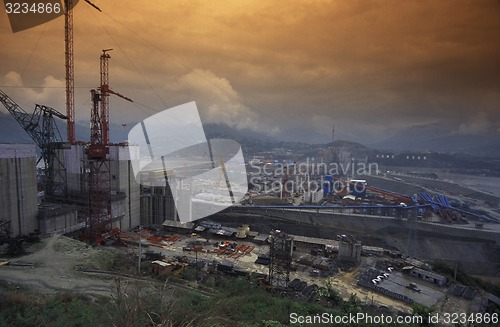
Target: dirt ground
[(346, 283), (54, 261)]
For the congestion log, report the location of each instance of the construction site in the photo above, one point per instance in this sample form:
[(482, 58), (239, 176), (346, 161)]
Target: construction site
[(75, 217), (359, 239)]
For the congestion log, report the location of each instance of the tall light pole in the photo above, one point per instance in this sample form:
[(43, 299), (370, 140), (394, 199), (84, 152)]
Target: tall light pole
[(140, 252)]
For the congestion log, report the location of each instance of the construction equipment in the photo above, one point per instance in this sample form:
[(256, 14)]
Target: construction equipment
[(70, 66), (105, 92), (42, 128), (41, 125), (99, 221), (70, 69)]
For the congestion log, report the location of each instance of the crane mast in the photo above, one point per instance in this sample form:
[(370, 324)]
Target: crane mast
[(70, 69), (70, 66), (99, 221), (98, 177), (105, 94)]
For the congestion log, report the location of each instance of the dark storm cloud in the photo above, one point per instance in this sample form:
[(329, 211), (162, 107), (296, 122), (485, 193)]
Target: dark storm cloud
[(373, 67)]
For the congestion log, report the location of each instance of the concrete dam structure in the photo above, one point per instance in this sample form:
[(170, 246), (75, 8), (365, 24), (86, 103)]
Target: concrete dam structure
[(476, 250)]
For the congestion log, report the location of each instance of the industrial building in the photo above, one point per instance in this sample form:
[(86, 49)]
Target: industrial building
[(349, 249), (18, 188), (156, 199), (429, 276), (82, 184), (20, 205), (125, 190), (124, 182)]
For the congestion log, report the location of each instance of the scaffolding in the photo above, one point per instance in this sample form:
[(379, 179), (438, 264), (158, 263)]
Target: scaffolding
[(281, 259)]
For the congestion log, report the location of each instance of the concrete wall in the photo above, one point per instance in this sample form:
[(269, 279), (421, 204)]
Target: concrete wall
[(374, 225), (157, 206), (476, 250), (121, 176), (18, 189), (350, 251), (123, 180), (58, 219), (157, 202), (73, 160)]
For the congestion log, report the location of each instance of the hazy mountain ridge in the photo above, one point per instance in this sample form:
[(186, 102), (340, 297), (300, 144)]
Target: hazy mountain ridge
[(435, 138), (421, 138), (11, 131)]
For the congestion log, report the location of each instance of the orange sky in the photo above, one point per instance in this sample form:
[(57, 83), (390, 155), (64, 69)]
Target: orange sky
[(286, 69)]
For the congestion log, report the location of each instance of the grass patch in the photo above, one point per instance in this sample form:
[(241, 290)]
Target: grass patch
[(103, 259), (238, 303)]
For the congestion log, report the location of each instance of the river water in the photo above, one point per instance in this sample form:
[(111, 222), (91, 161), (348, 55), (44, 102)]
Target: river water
[(481, 183)]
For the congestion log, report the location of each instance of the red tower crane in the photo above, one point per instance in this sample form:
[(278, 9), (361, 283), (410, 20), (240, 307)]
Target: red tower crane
[(105, 92), (70, 79), (70, 66), (99, 220)]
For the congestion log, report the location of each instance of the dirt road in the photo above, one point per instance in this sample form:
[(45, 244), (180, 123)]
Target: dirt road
[(54, 268)]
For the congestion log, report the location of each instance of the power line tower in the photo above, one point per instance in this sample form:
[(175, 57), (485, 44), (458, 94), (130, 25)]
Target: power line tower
[(281, 259)]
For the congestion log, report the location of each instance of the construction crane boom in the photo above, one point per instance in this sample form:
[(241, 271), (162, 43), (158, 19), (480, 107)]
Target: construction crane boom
[(42, 128), (108, 90), (22, 117), (93, 5), (39, 125)]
